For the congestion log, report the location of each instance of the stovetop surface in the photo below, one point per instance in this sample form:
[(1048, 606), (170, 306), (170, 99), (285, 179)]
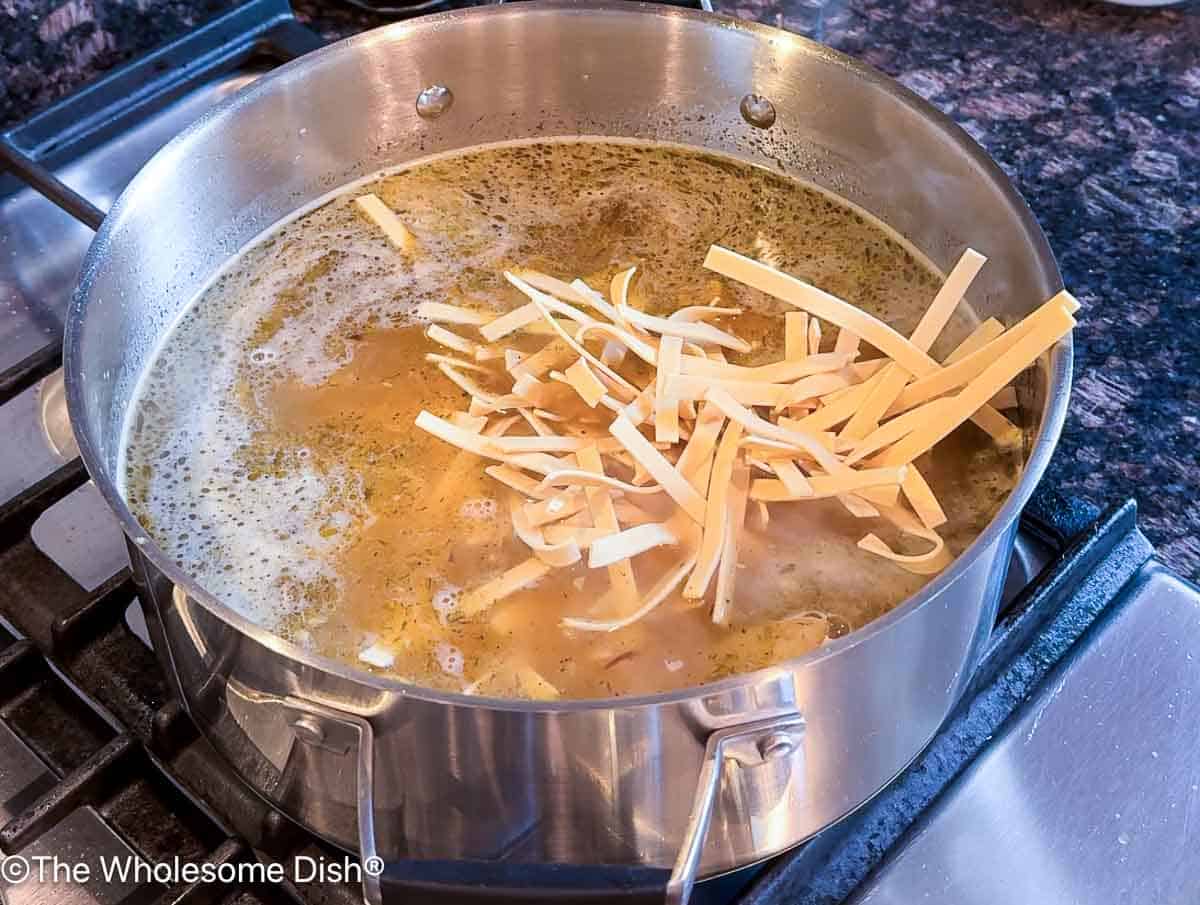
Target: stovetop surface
[(1065, 775), (1089, 793)]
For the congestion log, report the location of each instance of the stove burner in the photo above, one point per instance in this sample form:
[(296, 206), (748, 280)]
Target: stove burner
[(56, 423)]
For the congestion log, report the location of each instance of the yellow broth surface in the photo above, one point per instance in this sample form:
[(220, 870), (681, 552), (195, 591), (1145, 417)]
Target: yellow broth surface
[(272, 450)]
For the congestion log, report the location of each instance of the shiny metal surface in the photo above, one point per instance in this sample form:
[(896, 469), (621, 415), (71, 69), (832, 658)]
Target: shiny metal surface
[(1093, 795), (25, 455), (1029, 556), (56, 422), (766, 756), (81, 535), (597, 782), (41, 246)]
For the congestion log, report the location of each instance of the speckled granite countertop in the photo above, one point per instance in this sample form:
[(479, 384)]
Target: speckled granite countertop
[(1093, 110)]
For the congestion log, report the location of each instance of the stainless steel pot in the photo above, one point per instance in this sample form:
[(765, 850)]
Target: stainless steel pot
[(706, 779)]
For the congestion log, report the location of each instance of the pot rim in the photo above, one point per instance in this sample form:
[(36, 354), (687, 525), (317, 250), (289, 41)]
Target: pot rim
[(1053, 415)]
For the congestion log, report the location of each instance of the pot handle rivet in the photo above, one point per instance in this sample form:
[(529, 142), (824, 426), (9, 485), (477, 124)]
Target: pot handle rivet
[(434, 101), (776, 745), (757, 111), (307, 729)]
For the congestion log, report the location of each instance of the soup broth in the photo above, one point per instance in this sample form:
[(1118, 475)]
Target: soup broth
[(272, 453)]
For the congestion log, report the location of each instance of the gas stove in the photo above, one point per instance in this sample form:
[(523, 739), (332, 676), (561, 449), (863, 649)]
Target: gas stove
[(1066, 774)]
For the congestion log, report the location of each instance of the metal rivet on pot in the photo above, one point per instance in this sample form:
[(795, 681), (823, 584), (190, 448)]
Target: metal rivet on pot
[(434, 101), (776, 745), (307, 729), (757, 111)]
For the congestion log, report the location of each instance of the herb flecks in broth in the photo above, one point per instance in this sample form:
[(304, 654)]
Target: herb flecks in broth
[(273, 453)]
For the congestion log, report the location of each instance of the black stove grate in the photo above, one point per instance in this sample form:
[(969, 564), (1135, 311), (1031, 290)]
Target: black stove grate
[(88, 705)]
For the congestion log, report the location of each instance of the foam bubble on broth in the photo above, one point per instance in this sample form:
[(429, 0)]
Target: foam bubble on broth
[(445, 600), (449, 658), (277, 534), (481, 509), (271, 451)]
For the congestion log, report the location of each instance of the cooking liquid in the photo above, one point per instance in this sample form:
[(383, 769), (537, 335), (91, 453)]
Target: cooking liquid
[(272, 451)]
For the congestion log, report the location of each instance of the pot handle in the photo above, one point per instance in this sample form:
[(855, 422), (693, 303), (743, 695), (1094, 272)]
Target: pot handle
[(343, 732), (743, 746), (746, 745)]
